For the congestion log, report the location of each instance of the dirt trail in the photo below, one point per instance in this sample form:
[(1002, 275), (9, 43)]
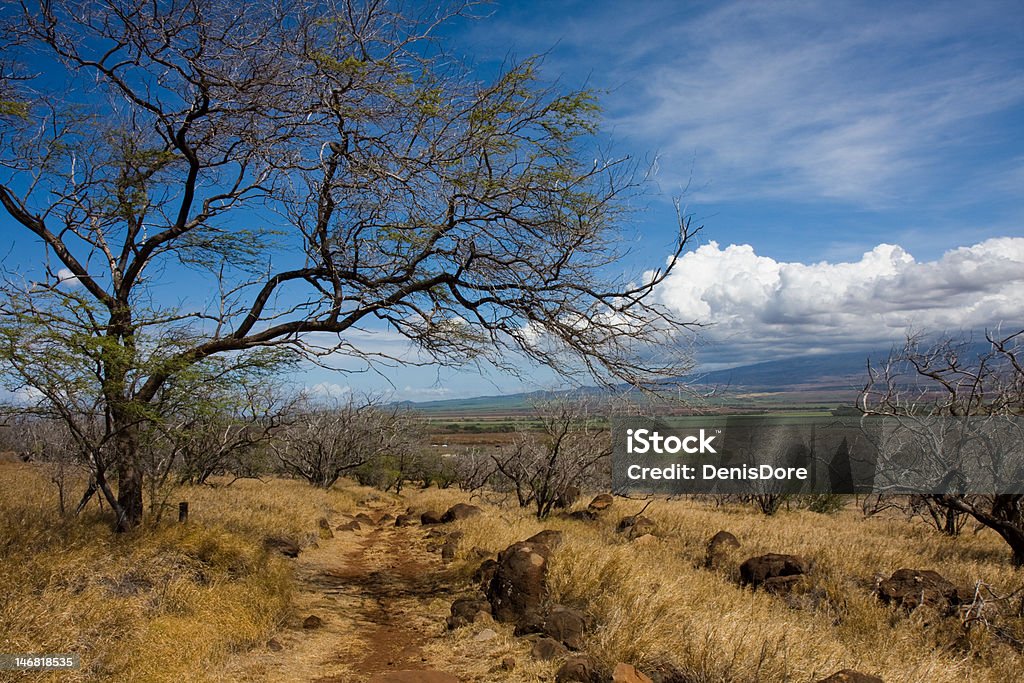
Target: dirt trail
[(382, 597)]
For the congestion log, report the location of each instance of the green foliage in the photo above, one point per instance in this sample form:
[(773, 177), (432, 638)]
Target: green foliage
[(14, 108), (825, 503)]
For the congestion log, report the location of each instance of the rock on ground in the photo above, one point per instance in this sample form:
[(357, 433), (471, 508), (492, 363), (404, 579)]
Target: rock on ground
[(911, 588), (460, 511), (517, 590), (773, 571), (627, 673), (719, 548)]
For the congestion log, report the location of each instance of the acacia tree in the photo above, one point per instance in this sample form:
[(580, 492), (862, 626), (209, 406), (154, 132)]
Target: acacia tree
[(216, 422), (303, 171), (950, 378)]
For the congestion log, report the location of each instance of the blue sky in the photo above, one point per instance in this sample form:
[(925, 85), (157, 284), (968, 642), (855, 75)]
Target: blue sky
[(858, 166)]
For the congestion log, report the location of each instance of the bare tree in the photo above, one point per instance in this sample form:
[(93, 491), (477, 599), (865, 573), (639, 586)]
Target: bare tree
[(950, 378), (474, 469), (218, 423), (320, 168), (566, 450), (322, 444), (43, 440)]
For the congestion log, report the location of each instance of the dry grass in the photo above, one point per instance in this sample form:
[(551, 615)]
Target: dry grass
[(164, 603), (658, 608), (174, 602)]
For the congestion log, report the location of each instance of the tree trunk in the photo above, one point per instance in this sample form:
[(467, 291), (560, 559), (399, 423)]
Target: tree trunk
[(1015, 539), (129, 480), (129, 496)]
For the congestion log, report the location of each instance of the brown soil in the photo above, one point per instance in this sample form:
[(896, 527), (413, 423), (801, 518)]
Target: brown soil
[(382, 598)]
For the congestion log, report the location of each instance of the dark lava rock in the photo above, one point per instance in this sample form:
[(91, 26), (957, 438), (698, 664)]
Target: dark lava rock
[(757, 570), (460, 511), (911, 588), (580, 669)]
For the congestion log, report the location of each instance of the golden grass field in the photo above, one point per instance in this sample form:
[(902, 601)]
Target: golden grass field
[(195, 602)]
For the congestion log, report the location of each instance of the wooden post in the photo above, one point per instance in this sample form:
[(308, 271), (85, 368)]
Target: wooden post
[(183, 511)]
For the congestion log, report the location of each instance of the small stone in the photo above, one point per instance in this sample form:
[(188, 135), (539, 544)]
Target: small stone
[(508, 663), (627, 673), (486, 634), (546, 649), (579, 669), (274, 646), (312, 621), (430, 517)]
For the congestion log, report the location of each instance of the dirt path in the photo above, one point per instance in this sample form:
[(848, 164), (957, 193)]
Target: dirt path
[(381, 596)]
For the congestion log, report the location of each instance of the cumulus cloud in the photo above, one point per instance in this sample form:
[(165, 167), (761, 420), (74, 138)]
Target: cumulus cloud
[(329, 390), (67, 278), (761, 308)]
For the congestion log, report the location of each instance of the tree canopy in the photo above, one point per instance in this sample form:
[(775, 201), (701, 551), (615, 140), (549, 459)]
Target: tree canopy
[(318, 168)]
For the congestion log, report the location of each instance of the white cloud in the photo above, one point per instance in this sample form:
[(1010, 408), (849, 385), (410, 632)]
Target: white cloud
[(803, 100), (866, 103), (331, 390), (67, 278), (431, 393), (762, 308)]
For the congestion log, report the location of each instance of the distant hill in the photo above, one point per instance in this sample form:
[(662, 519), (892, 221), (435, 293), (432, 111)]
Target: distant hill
[(833, 375), (827, 371)]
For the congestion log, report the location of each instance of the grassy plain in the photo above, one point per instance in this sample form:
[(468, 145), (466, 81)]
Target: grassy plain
[(184, 602)]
